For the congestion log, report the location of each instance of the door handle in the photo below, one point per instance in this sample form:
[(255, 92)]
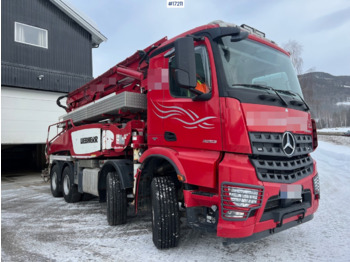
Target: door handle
[(170, 136)]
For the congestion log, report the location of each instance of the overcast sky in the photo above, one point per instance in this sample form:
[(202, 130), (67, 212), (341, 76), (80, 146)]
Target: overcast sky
[(322, 27)]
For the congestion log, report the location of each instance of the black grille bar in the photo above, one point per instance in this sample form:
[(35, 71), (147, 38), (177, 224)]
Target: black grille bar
[(283, 165), (279, 176)]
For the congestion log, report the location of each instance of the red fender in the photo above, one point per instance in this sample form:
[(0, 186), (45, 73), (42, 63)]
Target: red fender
[(165, 153)]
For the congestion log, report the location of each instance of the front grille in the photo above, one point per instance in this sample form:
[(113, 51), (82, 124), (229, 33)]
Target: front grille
[(270, 144), (283, 171), (273, 165)]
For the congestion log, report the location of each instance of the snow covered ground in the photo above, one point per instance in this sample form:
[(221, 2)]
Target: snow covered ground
[(343, 104), (37, 227), (340, 130), (338, 140)]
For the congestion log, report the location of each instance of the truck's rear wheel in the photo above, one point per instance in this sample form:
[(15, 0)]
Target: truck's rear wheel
[(165, 213), (116, 200), (56, 187), (70, 190)]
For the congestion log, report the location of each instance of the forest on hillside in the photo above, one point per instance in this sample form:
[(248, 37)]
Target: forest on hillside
[(328, 97)]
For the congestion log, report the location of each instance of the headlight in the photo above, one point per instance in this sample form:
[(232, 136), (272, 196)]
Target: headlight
[(239, 200), (242, 197)]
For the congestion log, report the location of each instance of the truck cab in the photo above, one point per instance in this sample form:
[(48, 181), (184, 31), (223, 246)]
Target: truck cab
[(247, 141)]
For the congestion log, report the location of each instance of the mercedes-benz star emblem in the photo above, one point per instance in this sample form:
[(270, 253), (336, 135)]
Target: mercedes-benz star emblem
[(288, 144)]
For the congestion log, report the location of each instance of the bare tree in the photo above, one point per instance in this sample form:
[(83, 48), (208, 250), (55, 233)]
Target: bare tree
[(311, 70), (295, 49)]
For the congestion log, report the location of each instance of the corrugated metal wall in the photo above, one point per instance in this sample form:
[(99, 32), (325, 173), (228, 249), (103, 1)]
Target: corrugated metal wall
[(66, 64)]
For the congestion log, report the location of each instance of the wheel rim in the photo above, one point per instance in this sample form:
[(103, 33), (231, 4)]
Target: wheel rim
[(54, 181), (66, 184)]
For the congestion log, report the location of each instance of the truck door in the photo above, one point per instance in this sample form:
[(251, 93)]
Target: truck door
[(188, 123)]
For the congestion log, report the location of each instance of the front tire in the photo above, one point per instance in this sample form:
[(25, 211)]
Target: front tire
[(70, 190), (56, 186), (165, 213), (116, 200)]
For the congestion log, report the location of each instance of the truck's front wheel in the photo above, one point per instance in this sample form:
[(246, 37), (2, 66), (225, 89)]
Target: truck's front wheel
[(165, 213), (116, 200), (70, 190)]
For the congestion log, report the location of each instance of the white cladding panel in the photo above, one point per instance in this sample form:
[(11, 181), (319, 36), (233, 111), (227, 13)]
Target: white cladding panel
[(86, 141), (26, 115), (90, 180)]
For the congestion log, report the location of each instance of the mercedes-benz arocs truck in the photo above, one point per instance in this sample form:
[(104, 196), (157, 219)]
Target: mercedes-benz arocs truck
[(210, 125)]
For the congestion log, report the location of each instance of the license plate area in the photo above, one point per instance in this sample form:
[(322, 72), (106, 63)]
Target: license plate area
[(290, 192)]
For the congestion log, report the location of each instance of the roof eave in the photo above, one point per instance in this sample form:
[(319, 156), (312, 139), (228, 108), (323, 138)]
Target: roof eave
[(96, 36)]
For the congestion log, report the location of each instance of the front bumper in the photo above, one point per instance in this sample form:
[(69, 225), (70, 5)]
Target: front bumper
[(268, 232), (264, 221)]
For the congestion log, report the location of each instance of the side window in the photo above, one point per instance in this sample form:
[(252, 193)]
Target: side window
[(31, 35), (202, 74)]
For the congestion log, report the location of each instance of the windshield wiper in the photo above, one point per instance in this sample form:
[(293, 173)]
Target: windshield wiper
[(266, 88), (294, 94), (254, 86)]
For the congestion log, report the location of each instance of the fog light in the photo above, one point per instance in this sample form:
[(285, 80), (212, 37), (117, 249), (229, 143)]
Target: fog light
[(243, 197), (316, 182), (234, 214)]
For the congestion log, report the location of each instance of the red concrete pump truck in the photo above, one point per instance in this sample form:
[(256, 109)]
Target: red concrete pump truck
[(210, 125)]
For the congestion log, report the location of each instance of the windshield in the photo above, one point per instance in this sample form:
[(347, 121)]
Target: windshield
[(251, 63)]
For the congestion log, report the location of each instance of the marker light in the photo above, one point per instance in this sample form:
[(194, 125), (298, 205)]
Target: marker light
[(316, 182)]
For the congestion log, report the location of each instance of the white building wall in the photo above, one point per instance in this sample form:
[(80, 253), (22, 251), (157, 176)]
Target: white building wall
[(26, 115)]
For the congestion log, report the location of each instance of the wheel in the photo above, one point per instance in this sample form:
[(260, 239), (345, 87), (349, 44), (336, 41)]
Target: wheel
[(70, 190), (116, 200), (56, 187), (165, 213)]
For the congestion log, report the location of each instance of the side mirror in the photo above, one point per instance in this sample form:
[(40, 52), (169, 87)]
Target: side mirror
[(185, 63)]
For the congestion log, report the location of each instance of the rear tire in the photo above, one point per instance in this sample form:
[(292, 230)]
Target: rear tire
[(70, 190), (165, 213), (56, 186), (116, 200)]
